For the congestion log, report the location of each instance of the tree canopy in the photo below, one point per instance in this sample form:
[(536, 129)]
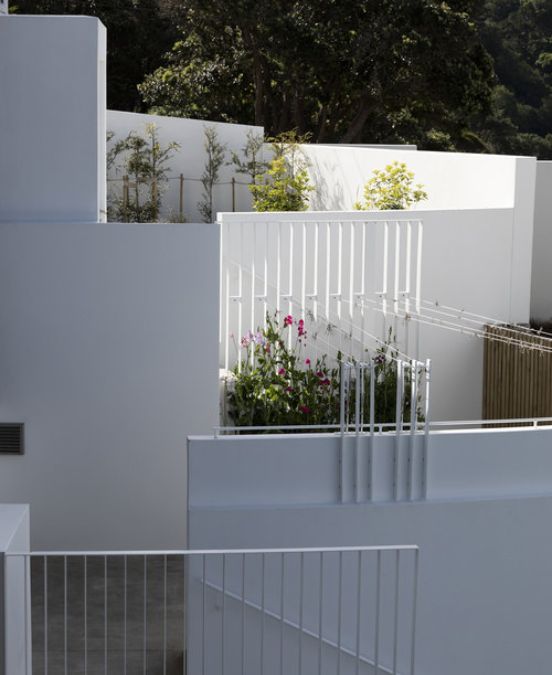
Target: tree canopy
[(343, 70), (462, 74)]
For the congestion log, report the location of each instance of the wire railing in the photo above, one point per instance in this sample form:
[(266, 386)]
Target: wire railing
[(219, 612)]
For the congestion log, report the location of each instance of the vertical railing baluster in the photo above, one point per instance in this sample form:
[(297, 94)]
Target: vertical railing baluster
[(263, 610), (65, 614), (320, 612), (240, 295), (414, 608), (290, 287), (315, 285), (377, 619), (398, 424), (253, 284), (85, 562), (125, 578), (301, 609), (45, 589), (426, 426), (105, 614), (328, 277), (359, 598), (413, 421), (396, 612), (203, 582), (145, 627), (372, 425), (339, 610), (243, 615), (339, 268), (278, 266), (223, 607), (164, 615), (282, 606), (358, 408), (303, 268)]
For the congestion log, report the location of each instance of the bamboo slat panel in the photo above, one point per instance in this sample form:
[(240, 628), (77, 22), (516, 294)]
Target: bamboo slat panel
[(517, 380)]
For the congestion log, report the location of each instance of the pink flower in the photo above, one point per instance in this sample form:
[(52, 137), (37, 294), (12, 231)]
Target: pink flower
[(289, 389), (307, 362), (245, 341), (319, 373), (282, 371), (324, 382), (305, 409), (301, 327), (288, 320)]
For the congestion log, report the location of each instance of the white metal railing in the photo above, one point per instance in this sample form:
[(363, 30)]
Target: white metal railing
[(327, 264), (225, 612)]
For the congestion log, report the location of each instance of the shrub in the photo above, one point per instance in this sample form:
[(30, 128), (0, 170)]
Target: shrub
[(285, 185), (391, 188)]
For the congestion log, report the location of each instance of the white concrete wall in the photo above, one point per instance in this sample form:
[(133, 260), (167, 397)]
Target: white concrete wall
[(453, 180), (485, 601), (14, 538), (189, 160), (541, 289), (108, 354), (52, 127)]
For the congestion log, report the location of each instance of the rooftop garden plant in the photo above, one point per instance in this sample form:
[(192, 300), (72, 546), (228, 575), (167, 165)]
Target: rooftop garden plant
[(276, 382), (391, 188)]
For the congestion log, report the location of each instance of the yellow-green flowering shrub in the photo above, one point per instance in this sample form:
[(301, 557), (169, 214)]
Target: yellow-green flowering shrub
[(392, 188)]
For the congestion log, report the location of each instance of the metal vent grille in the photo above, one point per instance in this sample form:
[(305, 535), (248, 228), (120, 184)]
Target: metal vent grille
[(11, 439)]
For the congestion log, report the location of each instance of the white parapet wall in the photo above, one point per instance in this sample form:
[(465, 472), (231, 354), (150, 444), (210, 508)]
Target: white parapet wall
[(541, 290), (189, 160), (52, 119), (109, 357), (485, 603)]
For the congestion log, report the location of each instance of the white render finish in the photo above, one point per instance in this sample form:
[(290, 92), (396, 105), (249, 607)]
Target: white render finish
[(189, 160), (52, 119), (108, 354), (453, 180), (541, 290), (485, 603), (14, 538)]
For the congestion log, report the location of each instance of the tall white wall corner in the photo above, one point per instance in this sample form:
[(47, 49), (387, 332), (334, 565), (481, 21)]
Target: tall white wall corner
[(3, 7), (541, 283), (522, 239), (52, 119)]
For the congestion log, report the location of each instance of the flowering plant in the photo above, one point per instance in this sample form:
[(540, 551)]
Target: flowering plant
[(277, 383)]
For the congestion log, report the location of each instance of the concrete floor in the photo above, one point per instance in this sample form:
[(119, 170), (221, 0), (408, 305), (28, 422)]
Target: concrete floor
[(144, 656)]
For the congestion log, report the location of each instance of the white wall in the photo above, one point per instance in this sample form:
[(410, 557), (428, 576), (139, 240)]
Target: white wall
[(189, 159), (453, 180), (541, 289), (14, 538), (479, 260), (485, 601), (108, 354), (52, 110)]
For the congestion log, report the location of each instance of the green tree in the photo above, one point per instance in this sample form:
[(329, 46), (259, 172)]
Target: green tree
[(215, 160), (391, 188), (144, 161), (345, 71)]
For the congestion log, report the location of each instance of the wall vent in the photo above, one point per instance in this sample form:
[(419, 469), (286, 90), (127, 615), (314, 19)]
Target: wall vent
[(11, 439)]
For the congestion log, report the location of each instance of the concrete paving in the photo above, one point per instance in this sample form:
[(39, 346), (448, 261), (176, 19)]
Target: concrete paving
[(95, 637)]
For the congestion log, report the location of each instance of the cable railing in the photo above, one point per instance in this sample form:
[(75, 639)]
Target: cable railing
[(344, 610)]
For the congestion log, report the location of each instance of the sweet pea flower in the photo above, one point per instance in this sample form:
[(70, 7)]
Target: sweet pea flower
[(301, 328), (307, 362), (305, 409), (288, 320), (282, 371)]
